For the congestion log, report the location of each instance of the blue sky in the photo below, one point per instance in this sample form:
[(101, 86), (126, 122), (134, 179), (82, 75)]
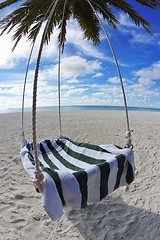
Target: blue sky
[(88, 73)]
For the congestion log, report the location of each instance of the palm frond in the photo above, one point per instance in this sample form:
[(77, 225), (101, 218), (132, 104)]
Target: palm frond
[(12, 20), (8, 3), (66, 13), (29, 17), (127, 8), (33, 31), (87, 20), (103, 8), (154, 4)]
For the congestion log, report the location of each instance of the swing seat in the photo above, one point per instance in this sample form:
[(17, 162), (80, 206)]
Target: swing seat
[(77, 174)]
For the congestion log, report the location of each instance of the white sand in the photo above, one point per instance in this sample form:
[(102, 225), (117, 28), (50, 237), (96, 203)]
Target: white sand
[(131, 215)]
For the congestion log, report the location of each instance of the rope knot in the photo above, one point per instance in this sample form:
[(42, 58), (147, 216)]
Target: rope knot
[(38, 181), (128, 139)]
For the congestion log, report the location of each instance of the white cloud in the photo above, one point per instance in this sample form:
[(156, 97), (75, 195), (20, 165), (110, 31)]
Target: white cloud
[(152, 72), (76, 91), (114, 80), (99, 94), (73, 81), (144, 82), (124, 20), (11, 59), (137, 34), (75, 37), (71, 67), (99, 74), (75, 70), (7, 59), (66, 87), (144, 38), (74, 66)]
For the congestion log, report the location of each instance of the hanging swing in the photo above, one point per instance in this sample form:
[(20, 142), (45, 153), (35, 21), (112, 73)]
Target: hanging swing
[(70, 173)]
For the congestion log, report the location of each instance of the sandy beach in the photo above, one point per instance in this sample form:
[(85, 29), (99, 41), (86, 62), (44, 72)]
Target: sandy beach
[(131, 215)]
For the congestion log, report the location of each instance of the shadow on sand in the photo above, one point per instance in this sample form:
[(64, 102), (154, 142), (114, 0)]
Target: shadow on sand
[(114, 219)]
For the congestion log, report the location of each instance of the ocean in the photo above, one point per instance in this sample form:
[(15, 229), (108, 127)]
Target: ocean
[(76, 108)]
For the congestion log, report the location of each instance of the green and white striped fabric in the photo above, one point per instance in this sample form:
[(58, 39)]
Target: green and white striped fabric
[(76, 174)]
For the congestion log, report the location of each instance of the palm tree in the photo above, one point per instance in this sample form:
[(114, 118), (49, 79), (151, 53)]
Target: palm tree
[(28, 19)]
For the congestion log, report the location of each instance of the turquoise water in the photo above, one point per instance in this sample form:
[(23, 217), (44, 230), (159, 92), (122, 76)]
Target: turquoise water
[(88, 108)]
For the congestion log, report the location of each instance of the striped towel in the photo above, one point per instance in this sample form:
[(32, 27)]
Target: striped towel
[(76, 174)]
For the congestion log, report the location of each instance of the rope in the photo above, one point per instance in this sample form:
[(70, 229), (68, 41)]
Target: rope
[(59, 92), (128, 133), (128, 139), (38, 181), (38, 174), (59, 72), (24, 89), (26, 74)]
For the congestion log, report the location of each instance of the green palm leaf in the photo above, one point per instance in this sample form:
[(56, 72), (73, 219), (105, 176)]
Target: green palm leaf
[(27, 18)]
